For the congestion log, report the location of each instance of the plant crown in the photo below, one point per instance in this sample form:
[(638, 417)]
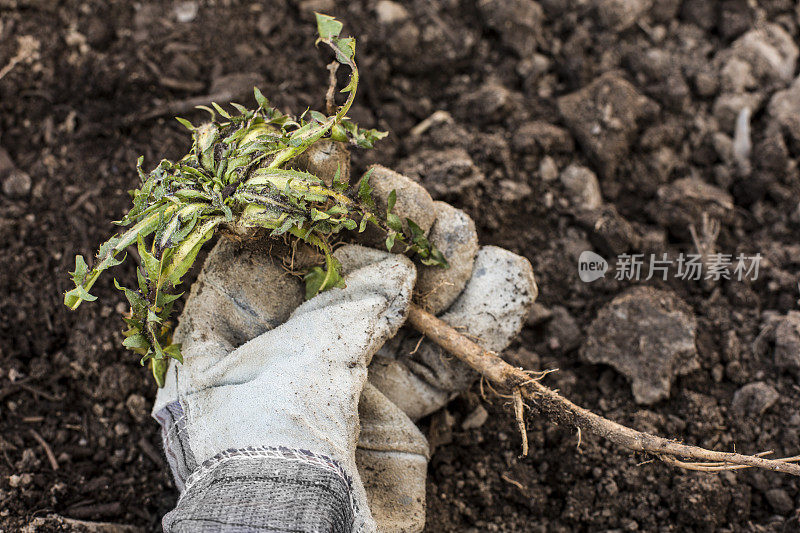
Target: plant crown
[(238, 175)]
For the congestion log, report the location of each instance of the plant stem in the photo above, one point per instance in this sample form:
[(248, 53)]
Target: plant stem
[(562, 411)]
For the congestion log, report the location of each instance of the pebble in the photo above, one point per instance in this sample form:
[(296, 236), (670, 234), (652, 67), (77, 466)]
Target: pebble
[(753, 400), (17, 184), (388, 12), (563, 331), (475, 419), (787, 341), (582, 187), (648, 336), (519, 23), (548, 170), (684, 202), (538, 136), (779, 500), (784, 109), (619, 15), (767, 55)]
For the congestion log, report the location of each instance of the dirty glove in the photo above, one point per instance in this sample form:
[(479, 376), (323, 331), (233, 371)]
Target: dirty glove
[(486, 294), (260, 422)]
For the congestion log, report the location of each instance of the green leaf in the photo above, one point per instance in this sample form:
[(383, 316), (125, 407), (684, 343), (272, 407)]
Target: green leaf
[(79, 274), (393, 221), (365, 191), (174, 351), (150, 263), (159, 368), (260, 98), (391, 201), (76, 295), (327, 26), (136, 342), (390, 240), (186, 124)]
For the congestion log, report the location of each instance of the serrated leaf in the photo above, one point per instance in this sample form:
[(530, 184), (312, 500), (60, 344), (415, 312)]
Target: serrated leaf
[(327, 26), (174, 351), (150, 263), (136, 342), (365, 191), (79, 274)]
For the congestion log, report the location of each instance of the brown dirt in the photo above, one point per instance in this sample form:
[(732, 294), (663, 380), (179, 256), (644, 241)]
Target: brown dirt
[(70, 119)]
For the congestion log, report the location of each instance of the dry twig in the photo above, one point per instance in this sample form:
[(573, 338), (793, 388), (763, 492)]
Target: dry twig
[(47, 449), (562, 411)]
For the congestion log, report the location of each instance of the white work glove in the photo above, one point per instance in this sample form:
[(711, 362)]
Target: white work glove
[(261, 421)]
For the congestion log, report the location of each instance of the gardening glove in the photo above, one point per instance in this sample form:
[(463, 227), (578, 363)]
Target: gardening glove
[(486, 294), (260, 423)]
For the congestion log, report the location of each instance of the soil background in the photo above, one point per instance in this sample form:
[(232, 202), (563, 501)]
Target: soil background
[(107, 77)]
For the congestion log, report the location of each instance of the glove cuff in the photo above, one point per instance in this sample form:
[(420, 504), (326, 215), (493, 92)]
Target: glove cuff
[(267, 489)]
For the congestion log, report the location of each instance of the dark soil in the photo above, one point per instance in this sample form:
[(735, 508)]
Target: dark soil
[(75, 118)]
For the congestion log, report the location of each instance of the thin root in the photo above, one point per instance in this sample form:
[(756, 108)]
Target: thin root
[(563, 412), (519, 413)]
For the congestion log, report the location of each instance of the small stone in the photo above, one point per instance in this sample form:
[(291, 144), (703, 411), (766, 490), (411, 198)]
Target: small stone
[(608, 229), (779, 500), (20, 480), (784, 109), (475, 419), (735, 17), (537, 315), (489, 103), (186, 11), (564, 330), (137, 407), (519, 23), (787, 341), (727, 107), (605, 116), (548, 170), (121, 429), (582, 187), (766, 55), (17, 184), (388, 12), (510, 190), (753, 400), (647, 335), (538, 136), (619, 15)]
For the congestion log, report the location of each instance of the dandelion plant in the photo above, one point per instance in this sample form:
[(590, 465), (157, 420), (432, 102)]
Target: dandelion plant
[(238, 175)]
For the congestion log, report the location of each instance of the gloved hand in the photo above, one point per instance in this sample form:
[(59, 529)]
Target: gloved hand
[(260, 422)]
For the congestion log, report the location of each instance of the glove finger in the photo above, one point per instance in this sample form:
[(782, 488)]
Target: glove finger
[(413, 202), (392, 459), (497, 299), (492, 309), (453, 233)]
